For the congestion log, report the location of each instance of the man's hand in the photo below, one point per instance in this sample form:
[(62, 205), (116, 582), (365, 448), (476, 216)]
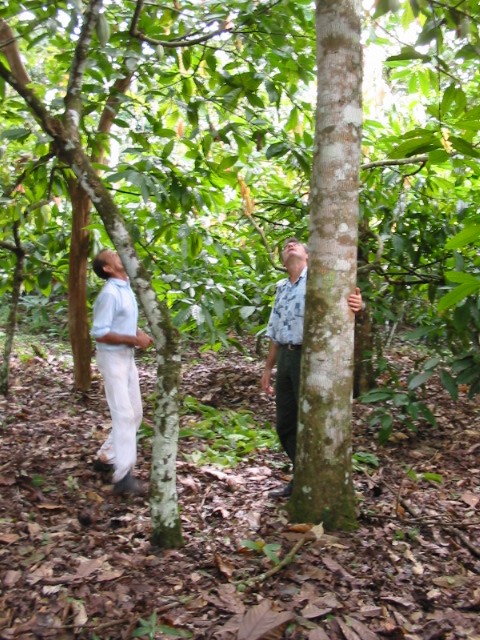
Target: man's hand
[(355, 301), (143, 340), (265, 382)]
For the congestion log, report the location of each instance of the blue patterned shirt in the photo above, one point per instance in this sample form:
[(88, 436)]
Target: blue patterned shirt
[(286, 320), (115, 311)]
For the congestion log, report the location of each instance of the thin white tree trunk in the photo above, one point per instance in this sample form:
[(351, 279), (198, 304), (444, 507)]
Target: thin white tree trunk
[(323, 489)]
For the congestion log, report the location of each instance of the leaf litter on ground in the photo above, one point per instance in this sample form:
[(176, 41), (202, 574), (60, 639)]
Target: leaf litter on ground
[(76, 562)]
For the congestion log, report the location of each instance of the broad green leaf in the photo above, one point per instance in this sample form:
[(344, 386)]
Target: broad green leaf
[(419, 379), (384, 6), (408, 53), (276, 150), (227, 162), (457, 295), (432, 477), (465, 237), (461, 277), (246, 312), (16, 133), (464, 147), (473, 125), (448, 98), (376, 396), (415, 146), (449, 384), (431, 363)]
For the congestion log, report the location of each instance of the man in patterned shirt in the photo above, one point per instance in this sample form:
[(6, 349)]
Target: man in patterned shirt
[(285, 330)]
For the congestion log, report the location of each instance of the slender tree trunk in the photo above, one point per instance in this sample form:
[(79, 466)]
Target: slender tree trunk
[(364, 372), (11, 324), (77, 288), (323, 488)]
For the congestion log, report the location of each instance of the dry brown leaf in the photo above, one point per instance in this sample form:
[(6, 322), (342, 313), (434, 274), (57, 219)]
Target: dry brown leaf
[(261, 621), (347, 632), (333, 566), (11, 578), (224, 566), (107, 576), (311, 611), (363, 632), (318, 634), (79, 613), (7, 481), (471, 499), (300, 528), (9, 538)]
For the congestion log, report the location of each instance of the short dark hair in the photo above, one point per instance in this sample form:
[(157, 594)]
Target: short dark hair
[(98, 263)]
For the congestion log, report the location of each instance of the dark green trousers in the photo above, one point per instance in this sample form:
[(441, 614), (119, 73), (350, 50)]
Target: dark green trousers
[(287, 387)]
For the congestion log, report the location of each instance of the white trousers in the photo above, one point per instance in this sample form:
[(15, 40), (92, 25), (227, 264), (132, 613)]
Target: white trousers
[(122, 389)]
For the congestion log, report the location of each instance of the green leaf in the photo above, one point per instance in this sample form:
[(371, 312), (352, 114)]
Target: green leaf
[(461, 277), (271, 551), (431, 363), (448, 98), (432, 477), (276, 150), (376, 396), (419, 379), (415, 146), (246, 312), (467, 236), (461, 145), (408, 53), (227, 162), (44, 279), (449, 384), (15, 133), (457, 295), (384, 6)]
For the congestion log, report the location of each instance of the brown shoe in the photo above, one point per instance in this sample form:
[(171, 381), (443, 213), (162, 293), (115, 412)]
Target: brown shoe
[(129, 485)]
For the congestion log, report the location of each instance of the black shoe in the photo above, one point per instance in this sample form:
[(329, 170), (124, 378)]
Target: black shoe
[(129, 485), (103, 467), (284, 492)]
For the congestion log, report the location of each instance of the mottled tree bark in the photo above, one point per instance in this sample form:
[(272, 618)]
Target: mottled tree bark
[(323, 488)]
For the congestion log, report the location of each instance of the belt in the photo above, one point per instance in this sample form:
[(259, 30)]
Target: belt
[(291, 347)]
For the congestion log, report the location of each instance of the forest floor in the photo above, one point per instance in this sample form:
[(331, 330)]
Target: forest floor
[(76, 561)]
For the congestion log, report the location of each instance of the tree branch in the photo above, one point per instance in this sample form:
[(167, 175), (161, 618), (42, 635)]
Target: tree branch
[(188, 41), (8, 45), (395, 163), (73, 97), (50, 124)]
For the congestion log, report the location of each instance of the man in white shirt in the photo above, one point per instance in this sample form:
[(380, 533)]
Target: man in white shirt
[(285, 330), (115, 316)]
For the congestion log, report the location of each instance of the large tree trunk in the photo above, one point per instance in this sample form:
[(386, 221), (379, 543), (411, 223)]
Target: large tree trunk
[(323, 488), (77, 288)]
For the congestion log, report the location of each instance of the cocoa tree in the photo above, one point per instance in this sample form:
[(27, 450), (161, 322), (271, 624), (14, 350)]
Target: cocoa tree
[(67, 146)]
